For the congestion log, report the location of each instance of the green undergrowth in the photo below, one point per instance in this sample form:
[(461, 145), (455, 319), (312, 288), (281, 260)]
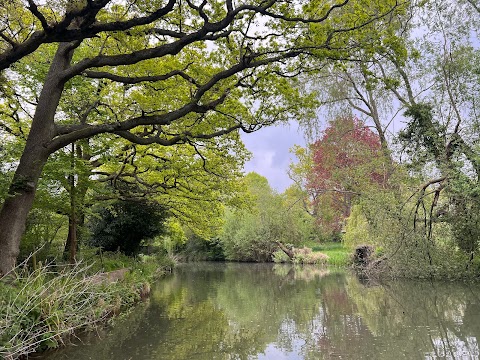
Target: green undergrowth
[(41, 307), (314, 253), (338, 255)]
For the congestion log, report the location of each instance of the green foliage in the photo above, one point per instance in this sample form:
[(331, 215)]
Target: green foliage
[(422, 135), (396, 224), (110, 261), (195, 181), (357, 229), (44, 235), (345, 162), (41, 308), (182, 103), (424, 220), (141, 266), (174, 236), (332, 254), (197, 248), (338, 254), (279, 257), (125, 224), (251, 235), (463, 212)]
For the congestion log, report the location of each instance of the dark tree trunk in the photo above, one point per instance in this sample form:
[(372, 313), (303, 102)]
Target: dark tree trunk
[(16, 207), (71, 244), (74, 236)]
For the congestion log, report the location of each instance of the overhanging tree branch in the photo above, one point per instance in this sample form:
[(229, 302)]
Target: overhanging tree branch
[(168, 116), (33, 8), (138, 79), (70, 133), (62, 32)]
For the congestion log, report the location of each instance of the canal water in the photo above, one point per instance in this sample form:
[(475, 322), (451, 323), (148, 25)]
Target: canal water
[(208, 311)]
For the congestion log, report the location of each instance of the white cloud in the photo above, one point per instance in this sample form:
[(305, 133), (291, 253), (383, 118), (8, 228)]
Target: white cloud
[(271, 157)]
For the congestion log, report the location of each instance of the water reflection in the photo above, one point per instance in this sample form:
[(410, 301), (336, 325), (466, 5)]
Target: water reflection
[(256, 311)]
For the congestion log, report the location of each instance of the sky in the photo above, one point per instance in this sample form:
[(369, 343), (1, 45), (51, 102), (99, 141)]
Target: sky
[(271, 156)]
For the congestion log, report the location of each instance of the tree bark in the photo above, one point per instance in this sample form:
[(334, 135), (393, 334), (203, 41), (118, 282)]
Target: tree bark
[(70, 251), (16, 207), (76, 217), (285, 249)]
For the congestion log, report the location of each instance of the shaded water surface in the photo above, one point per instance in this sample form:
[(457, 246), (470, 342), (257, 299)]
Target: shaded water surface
[(261, 311)]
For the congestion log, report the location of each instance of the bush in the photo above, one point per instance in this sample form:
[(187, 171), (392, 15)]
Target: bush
[(199, 249), (125, 224), (357, 228), (252, 234)]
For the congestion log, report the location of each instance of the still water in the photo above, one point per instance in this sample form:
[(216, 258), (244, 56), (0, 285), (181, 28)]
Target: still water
[(261, 311)]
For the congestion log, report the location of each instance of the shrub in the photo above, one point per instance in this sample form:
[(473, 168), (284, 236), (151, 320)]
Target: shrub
[(357, 229), (198, 249), (125, 224)]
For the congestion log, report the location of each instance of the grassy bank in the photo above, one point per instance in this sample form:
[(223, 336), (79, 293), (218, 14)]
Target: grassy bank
[(41, 307), (338, 255), (332, 253)]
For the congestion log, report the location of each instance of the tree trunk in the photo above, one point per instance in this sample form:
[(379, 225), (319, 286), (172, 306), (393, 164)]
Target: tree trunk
[(13, 215), (285, 249), (16, 207), (71, 244), (78, 192), (70, 252)]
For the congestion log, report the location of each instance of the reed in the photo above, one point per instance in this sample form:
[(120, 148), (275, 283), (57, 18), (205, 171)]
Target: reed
[(39, 308)]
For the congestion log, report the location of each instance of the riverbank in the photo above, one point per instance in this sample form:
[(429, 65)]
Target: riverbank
[(338, 254), (40, 308), (326, 254)]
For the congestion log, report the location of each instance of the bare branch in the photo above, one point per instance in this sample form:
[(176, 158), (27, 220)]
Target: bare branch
[(166, 32), (303, 20), (423, 188), (475, 6), (199, 9), (12, 42), (406, 81), (36, 12)]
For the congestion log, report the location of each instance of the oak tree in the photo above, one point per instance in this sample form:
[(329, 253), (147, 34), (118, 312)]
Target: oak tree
[(186, 71)]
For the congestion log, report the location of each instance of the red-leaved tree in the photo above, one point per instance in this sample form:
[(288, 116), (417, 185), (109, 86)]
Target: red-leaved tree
[(347, 160)]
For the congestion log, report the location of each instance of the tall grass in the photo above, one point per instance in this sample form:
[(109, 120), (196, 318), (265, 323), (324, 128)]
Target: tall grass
[(39, 308)]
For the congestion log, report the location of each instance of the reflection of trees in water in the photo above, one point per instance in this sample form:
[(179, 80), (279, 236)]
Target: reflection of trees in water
[(238, 311), (415, 318), (300, 272), (261, 309), (104, 342)]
